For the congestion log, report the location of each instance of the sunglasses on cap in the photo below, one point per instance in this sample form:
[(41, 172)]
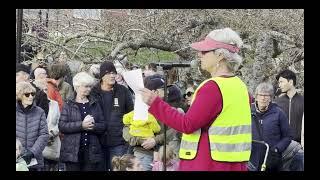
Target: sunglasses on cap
[(28, 94), (188, 94), (204, 52)]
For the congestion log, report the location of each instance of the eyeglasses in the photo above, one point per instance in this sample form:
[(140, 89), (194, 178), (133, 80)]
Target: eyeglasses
[(112, 72), (189, 94), (264, 95), (28, 94)]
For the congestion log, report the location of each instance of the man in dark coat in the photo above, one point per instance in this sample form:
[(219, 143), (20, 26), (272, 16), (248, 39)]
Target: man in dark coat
[(115, 100), (291, 102)]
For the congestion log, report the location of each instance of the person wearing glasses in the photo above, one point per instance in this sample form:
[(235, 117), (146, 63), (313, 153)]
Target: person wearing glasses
[(82, 123), (23, 74), (217, 127), (31, 125), (269, 124), (188, 95)]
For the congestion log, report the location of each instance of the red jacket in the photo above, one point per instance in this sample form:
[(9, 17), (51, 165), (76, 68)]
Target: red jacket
[(205, 108), (53, 92)]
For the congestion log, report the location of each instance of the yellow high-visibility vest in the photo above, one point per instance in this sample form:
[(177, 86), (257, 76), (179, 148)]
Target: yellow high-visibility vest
[(230, 134)]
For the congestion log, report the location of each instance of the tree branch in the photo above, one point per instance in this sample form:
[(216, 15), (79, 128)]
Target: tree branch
[(84, 35), (157, 44), (48, 41)]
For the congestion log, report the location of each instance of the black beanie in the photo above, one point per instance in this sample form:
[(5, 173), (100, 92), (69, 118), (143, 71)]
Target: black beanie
[(107, 67), (22, 67)]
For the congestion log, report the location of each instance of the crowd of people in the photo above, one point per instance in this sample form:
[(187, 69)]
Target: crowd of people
[(85, 122)]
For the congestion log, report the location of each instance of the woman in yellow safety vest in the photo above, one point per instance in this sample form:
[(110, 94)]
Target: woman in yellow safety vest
[(217, 127)]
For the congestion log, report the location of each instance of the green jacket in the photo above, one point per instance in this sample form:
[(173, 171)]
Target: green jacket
[(66, 91)]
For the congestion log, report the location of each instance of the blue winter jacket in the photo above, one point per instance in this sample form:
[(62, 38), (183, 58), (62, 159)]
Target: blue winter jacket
[(274, 131)]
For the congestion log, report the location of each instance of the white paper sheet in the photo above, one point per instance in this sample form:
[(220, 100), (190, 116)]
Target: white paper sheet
[(135, 81), (33, 162)]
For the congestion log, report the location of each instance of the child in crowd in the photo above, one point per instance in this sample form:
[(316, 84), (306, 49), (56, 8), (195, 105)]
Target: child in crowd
[(141, 128), (127, 162), (172, 163)]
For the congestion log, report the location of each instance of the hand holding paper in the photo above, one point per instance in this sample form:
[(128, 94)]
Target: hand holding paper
[(135, 81)]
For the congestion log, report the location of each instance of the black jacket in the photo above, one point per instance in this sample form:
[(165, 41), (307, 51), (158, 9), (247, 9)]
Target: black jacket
[(70, 125), (113, 133), (296, 106), (41, 99)]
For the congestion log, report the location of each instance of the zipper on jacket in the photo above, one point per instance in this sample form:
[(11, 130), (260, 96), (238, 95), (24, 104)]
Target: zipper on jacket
[(289, 110), (26, 134), (261, 128)]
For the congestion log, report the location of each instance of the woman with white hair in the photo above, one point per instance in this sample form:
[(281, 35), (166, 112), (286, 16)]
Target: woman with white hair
[(82, 122), (269, 124), (31, 125), (217, 127)]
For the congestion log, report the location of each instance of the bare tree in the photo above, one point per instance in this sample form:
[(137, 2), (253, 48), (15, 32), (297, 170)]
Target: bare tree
[(274, 38)]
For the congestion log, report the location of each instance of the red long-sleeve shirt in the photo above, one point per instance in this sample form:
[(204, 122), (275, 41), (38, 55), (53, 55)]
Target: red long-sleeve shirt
[(205, 108), (53, 92)]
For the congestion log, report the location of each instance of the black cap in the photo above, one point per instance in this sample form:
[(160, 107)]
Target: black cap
[(22, 67), (107, 67), (174, 93)]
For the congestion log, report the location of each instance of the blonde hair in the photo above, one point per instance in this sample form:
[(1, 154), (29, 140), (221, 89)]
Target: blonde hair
[(227, 35), (23, 87), (121, 163), (169, 153)]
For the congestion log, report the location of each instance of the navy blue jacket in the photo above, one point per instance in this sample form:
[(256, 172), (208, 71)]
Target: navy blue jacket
[(70, 125), (274, 130), (113, 133)]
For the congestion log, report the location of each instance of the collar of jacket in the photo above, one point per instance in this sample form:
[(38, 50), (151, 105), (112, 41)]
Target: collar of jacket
[(287, 97), (91, 100), (20, 108), (255, 112)]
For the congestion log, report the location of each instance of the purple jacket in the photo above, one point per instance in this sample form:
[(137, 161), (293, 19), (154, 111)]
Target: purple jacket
[(32, 130)]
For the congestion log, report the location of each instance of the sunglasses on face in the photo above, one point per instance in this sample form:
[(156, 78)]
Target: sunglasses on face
[(188, 94), (28, 94), (204, 52)]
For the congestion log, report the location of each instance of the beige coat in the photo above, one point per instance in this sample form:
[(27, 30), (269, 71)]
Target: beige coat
[(52, 150)]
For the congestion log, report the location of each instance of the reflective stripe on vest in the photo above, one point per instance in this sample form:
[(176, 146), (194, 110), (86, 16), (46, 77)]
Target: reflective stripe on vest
[(231, 147), (230, 133), (232, 130)]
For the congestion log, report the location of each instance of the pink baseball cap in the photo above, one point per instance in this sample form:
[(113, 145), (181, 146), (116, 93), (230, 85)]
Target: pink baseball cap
[(209, 44)]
